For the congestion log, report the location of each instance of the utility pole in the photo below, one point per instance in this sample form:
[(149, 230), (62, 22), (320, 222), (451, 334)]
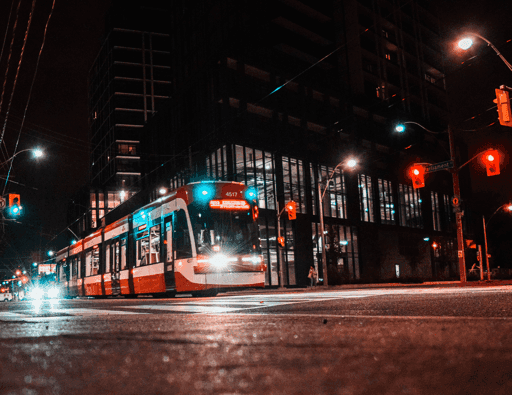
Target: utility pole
[(458, 212)]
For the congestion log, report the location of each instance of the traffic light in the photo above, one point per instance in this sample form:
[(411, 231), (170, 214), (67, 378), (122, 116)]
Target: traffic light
[(291, 208), (14, 199), (417, 173), (491, 159), (280, 240), (503, 102), (14, 204)]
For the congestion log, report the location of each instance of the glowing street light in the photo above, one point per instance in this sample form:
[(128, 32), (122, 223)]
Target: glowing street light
[(467, 42)]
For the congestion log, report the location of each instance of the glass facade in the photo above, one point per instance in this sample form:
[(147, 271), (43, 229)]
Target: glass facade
[(366, 198), (379, 201), (387, 205), (410, 207)]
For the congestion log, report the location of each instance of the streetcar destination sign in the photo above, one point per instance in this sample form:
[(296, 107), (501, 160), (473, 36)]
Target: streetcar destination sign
[(439, 166)]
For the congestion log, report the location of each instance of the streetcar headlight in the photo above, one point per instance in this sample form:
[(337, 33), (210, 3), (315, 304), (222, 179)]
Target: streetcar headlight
[(37, 293), (53, 293), (220, 260)]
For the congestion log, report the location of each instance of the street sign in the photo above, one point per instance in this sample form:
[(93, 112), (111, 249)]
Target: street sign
[(439, 166)]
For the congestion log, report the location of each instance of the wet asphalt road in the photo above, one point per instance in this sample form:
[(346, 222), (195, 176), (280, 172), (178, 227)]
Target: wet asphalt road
[(409, 340)]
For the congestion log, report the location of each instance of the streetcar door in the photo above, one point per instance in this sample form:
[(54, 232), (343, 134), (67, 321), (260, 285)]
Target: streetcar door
[(115, 256), (170, 284)]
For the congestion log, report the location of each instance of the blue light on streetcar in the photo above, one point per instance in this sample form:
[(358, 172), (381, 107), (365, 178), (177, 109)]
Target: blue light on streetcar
[(251, 194), (204, 192)]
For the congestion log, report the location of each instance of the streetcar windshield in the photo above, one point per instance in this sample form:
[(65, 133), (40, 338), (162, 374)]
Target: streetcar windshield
[(229, 231)]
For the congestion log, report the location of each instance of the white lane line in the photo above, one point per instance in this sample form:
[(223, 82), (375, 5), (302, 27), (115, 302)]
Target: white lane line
[(185, 308), (89, 312), (56, 314), (392, 317)]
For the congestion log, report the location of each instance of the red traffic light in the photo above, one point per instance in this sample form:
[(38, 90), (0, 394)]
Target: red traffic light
[(14, 199), (280, 240), (291, 208), (491, 159), (417, 175)]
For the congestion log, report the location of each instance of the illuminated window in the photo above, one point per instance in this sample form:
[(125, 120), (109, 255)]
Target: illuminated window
[(436, 212), (387, 206), (293, 183), (335, 197), (410, 207), (365, 198)]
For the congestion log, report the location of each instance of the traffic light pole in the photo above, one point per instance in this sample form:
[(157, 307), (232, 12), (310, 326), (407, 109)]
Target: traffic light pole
[(486, 252), (458, 212), (280, 248), (322, 233)]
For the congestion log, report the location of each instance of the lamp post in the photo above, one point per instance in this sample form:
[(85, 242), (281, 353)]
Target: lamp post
[(351, 163), (467, 42), (456, 195), (37, 154), (509, 208)]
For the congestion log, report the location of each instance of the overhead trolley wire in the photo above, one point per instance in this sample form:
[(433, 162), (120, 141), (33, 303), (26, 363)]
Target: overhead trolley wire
[(32, 84)]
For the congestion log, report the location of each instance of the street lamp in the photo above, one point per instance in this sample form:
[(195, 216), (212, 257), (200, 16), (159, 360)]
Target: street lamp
[(456, 194), (35, 151), (504, 207), (351, 163), (467, 42)]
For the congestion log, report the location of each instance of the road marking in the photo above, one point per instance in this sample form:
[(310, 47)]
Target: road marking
[(208, 307), (56, 314), (237, 304), (393, 317)]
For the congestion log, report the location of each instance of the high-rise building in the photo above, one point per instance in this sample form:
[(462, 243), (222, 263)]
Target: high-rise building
[(280, 94), (128, 80)]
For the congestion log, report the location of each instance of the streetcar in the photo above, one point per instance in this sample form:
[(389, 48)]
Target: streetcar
[(202, 238)]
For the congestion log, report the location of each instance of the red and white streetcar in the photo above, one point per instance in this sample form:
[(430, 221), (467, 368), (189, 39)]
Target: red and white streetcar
[(200, 239)]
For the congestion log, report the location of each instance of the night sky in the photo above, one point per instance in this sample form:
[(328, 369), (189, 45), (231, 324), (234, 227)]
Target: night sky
[(57, 121)]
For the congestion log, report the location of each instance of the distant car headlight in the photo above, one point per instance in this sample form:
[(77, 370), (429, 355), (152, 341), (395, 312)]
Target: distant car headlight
[(37, 293), (53, 293)]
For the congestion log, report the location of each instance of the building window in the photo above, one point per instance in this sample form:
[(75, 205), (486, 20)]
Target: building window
[(387, 206), (255, 168), (335, 197), (127, 149), (216, 164), (365, 198), (293, 183), (436, 212), (410, 207), (447, 211)]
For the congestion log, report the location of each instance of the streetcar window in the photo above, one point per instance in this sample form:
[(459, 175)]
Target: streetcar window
[(123, 254), (88, 263), (107, 259), (155, 244), (168, 242), (74, 267), (231, 231), (95, 260), (181, 236), (116, 259), (143, 249)]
